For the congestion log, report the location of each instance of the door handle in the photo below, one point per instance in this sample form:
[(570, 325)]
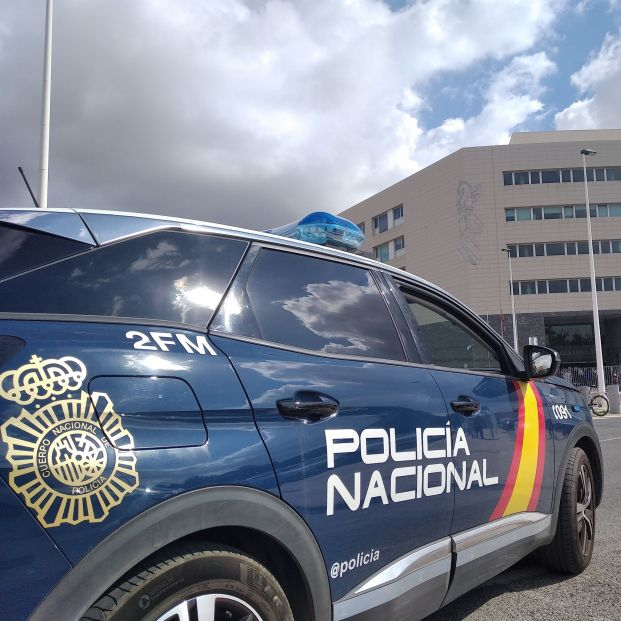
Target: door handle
[(466, 405), (308, 406)]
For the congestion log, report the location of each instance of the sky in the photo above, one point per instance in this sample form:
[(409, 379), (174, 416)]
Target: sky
[(254, 113)]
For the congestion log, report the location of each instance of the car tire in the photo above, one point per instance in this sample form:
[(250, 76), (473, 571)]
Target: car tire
[(571, 549), (202, 582)]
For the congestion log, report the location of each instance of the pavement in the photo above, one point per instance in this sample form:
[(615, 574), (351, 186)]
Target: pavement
[(528, 591)]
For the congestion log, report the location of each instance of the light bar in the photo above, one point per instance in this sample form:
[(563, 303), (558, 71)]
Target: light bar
[(324, 229)]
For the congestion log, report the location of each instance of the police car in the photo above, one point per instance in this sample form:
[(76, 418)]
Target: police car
[(203, 422)]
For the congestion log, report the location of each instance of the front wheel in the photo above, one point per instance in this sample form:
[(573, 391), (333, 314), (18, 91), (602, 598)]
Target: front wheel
[(572, 547), (599, 405), (195, 584)]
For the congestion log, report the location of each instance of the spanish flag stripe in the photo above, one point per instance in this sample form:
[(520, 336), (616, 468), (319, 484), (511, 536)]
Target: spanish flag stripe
[(515, 462), (527, 471), (541, 456)]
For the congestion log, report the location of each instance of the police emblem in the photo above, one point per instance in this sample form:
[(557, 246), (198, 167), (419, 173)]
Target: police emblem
[(63, 463)]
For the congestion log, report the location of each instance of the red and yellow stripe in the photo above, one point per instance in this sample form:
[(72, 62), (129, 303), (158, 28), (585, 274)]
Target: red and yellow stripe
[(523, 484)]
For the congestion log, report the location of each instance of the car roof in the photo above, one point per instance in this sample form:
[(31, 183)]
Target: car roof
[(140, 223), (143, 223)]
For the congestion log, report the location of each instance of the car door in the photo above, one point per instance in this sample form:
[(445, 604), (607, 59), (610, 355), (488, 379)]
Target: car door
[(349, 422), (503, 454)]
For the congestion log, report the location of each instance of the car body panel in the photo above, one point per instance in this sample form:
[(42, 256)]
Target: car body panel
[(234, 451), (31, 562), (370, 395)]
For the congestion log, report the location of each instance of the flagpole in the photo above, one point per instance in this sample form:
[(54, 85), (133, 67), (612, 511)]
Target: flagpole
[(45, 109)]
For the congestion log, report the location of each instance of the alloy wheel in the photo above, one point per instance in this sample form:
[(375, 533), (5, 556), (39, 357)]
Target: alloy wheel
[(212, 607)]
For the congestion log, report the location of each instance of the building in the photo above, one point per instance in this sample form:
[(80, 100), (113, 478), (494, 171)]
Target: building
[(450, 222)]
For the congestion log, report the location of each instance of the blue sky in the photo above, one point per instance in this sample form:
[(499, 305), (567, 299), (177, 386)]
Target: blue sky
[(254, 112), (575, 36)]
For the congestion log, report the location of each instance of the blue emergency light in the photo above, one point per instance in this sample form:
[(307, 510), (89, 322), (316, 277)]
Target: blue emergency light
[(324, 229)]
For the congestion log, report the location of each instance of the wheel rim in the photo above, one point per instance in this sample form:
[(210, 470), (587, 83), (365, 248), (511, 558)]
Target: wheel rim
[(599, 405), (211, 607), (585, 511)]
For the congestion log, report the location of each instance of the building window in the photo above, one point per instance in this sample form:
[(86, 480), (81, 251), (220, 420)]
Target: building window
[(380, 223), (565, 175), (565, 212), (397, 215), (399, 246), (528, 287), (557, 286), (361, 226), (556, 249), (521, 178), (563, 285), (550, 176), (382, 252)]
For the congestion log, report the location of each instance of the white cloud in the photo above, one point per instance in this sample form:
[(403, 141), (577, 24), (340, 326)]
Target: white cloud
[(600, 78), (511, 98), (253, 112)]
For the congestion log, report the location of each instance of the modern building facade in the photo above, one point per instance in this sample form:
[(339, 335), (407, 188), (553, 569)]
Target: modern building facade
[(450, 222)]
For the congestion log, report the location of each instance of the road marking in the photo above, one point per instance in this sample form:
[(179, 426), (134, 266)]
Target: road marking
[(611, 439)]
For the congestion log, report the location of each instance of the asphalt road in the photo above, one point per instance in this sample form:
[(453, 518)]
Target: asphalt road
[(530, 591)]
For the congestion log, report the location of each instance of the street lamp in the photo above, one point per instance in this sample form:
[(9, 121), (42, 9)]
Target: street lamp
[(599, 361), (514, 320)]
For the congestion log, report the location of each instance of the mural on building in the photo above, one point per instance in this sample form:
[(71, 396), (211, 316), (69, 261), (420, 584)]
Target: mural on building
[(470, 225)]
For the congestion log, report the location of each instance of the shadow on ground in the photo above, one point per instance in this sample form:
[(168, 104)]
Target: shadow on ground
[(526, 575)]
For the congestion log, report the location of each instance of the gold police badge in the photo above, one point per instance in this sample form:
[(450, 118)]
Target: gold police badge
[(63, 463)]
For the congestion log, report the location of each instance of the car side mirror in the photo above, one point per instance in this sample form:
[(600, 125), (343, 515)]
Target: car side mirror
[(540, 361)]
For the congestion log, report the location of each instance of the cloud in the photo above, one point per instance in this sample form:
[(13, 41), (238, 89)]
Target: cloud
[(252, 113), (600, 80), (510, 100)]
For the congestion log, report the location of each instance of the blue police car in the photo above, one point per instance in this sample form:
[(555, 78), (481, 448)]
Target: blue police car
[(199, 422)]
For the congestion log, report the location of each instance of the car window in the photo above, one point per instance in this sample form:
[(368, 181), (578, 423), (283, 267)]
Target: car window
[(166, 275), (320, 305), (22, 249), (446, 341)]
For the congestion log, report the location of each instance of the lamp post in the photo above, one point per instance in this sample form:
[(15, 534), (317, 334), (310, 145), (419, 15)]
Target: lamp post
[(513, 317), (599, 361), (45, 106)]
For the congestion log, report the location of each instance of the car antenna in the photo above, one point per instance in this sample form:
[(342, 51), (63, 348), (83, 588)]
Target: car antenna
[(21, 172)]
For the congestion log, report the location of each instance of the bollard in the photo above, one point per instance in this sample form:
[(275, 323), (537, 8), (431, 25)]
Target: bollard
[(614, 398)]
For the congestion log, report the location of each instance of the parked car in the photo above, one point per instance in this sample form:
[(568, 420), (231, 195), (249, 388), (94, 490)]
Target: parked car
[(204, 422)]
